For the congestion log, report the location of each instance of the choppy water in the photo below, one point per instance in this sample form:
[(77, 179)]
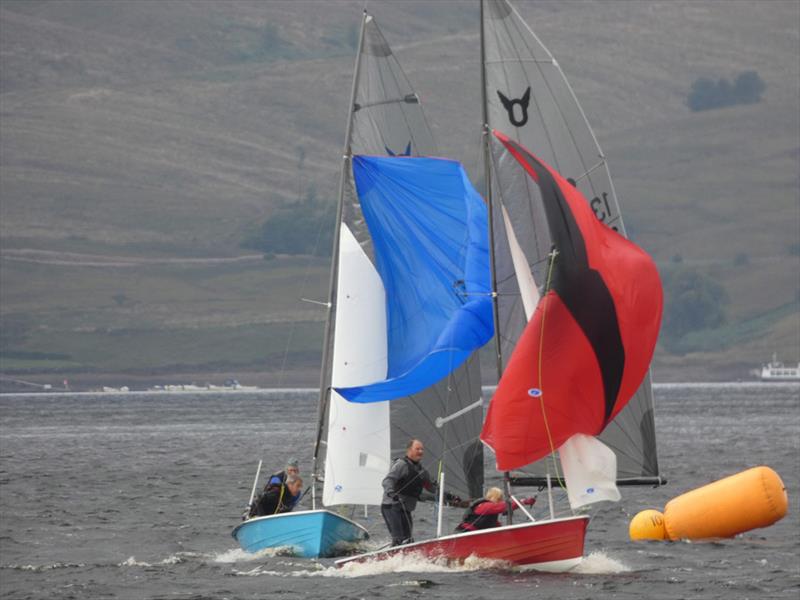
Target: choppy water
[(134, 496)]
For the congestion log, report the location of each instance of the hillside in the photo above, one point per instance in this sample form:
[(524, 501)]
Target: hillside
[(141, 142)]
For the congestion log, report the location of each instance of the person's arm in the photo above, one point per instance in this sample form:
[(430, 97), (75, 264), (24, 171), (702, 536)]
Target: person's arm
[(526, 501), (490, 508), (389, 482), (499, 508), (428, 483), (430, 491)]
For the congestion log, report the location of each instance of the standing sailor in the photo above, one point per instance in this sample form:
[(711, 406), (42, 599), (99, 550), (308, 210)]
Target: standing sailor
[(402, 488)]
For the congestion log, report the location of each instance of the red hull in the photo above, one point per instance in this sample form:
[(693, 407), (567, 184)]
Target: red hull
[(559, 541)]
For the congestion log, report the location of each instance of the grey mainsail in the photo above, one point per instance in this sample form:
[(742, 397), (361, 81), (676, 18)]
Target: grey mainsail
[(528, 99), (386, 118)]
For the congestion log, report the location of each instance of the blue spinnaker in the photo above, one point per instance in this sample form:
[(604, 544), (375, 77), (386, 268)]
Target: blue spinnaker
[(430, 237)]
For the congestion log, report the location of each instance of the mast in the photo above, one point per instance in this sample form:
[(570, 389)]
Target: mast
[(487, 178), (487, 171), (325, 371)]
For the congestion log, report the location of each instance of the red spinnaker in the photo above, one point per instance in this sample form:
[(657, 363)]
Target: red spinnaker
[(589, 344)]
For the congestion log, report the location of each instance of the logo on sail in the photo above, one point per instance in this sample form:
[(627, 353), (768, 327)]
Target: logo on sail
[(406, 152), (523, 107)]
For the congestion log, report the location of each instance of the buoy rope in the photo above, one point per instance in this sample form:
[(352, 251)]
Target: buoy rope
[(553, 256)]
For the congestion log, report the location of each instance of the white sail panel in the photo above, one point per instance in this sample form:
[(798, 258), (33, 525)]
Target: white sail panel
[(527, 286), (590, 470), (358, 434)]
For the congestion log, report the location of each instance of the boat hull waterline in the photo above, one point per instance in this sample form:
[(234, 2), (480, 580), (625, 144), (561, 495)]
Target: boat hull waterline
[(552, 545), (310, 533)]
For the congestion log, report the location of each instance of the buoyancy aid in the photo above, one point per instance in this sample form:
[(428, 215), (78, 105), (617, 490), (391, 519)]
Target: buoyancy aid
[(473, 521), (271, 481), (272, 501), (412, 483)]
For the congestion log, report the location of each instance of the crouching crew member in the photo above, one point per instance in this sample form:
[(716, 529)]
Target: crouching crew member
[(484, 513), (278, 499)]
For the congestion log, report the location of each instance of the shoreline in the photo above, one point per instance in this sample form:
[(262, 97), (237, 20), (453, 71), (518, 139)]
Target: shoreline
[(309, 390), (300, 377)]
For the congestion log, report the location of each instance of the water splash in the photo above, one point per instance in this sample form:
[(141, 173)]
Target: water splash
[(414, 563), (407, 563), (42, 568), (235, 555), (599, 563), (173, 559)]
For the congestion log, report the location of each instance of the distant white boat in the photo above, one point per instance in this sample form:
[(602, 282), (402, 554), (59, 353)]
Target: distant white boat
[(777, 371), (232, 385), (228, 386), (188, 387)]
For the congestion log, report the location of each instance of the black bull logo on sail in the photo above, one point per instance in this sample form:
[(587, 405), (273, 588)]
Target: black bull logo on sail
[(523, 103)]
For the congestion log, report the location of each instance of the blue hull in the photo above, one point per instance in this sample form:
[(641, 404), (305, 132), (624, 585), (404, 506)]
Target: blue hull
[(312, 533)]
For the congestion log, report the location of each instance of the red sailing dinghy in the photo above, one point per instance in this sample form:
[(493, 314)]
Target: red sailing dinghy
[(580, 349), (552, 545), (571, 373)]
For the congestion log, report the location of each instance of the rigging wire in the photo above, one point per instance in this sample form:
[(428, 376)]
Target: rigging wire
[(553, 255), (304, 282)]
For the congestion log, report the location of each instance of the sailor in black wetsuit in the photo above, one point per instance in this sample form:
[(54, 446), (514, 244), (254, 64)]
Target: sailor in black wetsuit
[(402, 488)]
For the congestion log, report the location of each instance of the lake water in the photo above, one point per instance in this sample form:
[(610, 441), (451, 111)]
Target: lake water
[(135, 495)]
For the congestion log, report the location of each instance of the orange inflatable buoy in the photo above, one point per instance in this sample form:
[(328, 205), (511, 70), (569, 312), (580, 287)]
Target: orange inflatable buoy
[(748, 500), (647, 525)]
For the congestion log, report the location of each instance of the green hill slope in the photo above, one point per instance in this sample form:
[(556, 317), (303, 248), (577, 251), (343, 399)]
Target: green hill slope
[(142, 142)]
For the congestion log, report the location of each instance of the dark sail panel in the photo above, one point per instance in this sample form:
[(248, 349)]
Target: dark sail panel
[(388, 120)]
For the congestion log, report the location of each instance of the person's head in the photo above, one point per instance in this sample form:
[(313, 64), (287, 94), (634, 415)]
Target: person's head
[(292, 467), (294, 484), (415, 450), (494, 494)]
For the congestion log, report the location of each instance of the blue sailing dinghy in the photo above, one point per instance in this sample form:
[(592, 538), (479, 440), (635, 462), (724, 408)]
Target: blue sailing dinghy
[(310, 533)]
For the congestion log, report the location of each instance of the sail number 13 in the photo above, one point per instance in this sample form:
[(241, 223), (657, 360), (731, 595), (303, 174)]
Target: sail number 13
[(601, 209)]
